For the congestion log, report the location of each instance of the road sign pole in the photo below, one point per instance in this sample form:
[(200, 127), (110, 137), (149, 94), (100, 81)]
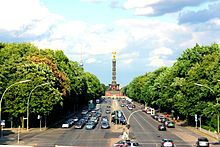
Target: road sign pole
[(196, 119)]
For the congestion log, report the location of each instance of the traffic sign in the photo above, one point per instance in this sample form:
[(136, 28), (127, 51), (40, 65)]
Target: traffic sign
[(196, 118), (3, 123)]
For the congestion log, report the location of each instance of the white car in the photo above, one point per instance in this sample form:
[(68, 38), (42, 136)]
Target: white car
[(130, 108), (75, 119), (66, 125), (202, 142), (84, 112)]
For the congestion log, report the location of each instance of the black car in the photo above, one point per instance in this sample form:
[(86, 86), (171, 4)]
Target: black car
[(107, 111), (122, 120), (80, 124), (162, 127), (167, 143), (105, 125), (202, 142), (155, 116)]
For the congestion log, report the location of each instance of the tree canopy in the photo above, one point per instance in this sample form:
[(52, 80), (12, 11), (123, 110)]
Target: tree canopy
[(57, 82), (191, 86)]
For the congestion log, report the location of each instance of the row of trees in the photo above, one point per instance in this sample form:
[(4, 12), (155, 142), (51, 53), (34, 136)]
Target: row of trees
[(67, 85), (191, 86)]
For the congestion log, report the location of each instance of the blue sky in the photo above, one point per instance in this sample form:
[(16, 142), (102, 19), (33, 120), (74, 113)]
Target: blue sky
[(146, 34)]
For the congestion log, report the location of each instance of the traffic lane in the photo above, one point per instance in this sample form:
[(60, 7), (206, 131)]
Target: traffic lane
[(162, 134), (183, 133), (70, 136), (82, 137), (91, 138), (145, 129)]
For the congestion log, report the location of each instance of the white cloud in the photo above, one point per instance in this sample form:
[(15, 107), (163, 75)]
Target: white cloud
[(144, 11), (131, 4), (90, 60), (161, 7), (215, 21), (133, 39), (25, 14), (156, 61), (162, 51), (128, 58), (94, 1)]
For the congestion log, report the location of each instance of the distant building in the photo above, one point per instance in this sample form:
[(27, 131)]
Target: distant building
[(113, 89)]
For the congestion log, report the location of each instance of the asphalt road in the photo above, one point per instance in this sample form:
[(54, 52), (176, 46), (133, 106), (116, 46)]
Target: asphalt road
[(70, 136), (143, 129)]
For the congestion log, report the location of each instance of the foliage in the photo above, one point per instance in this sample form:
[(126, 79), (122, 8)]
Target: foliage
[(55, 81), (178, 87)]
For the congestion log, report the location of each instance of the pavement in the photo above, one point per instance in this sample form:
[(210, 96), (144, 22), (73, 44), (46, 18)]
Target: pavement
[(190, 134)]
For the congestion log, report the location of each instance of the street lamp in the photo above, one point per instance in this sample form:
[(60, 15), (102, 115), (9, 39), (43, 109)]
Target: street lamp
[(129, 119), (4, 94), (216, 99), (28, 103)]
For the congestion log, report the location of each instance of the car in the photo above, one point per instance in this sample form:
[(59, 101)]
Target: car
[(89, 114), (105, 125), (167, 143), (93, 111), (161, 118), (122, 105), (86, 118), (166, 122), (71, 121), (132, 144), (97, 114), (130, 107), (120, 143), (155, 116), (84, 112), (90, 125), (75, 118), (133, 106), (104, 118), (80, 124), (65, 125), (122, 120), (127, 143), (202, 142), (94, 119), (170, 125), (107, 111), (162, 127)]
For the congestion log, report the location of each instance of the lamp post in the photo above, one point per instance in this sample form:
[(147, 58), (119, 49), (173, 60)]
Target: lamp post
[(28, 103), (216, 99), (4, 94), (129, 117)]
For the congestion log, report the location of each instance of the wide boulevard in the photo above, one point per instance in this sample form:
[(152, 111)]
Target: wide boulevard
[(143, 129)]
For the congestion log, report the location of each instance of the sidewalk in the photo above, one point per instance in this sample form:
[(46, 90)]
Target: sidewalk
[(14, 135)]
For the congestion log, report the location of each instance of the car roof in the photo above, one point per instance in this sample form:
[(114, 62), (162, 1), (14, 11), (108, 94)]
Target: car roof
[(203, 139), (165, 139)]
